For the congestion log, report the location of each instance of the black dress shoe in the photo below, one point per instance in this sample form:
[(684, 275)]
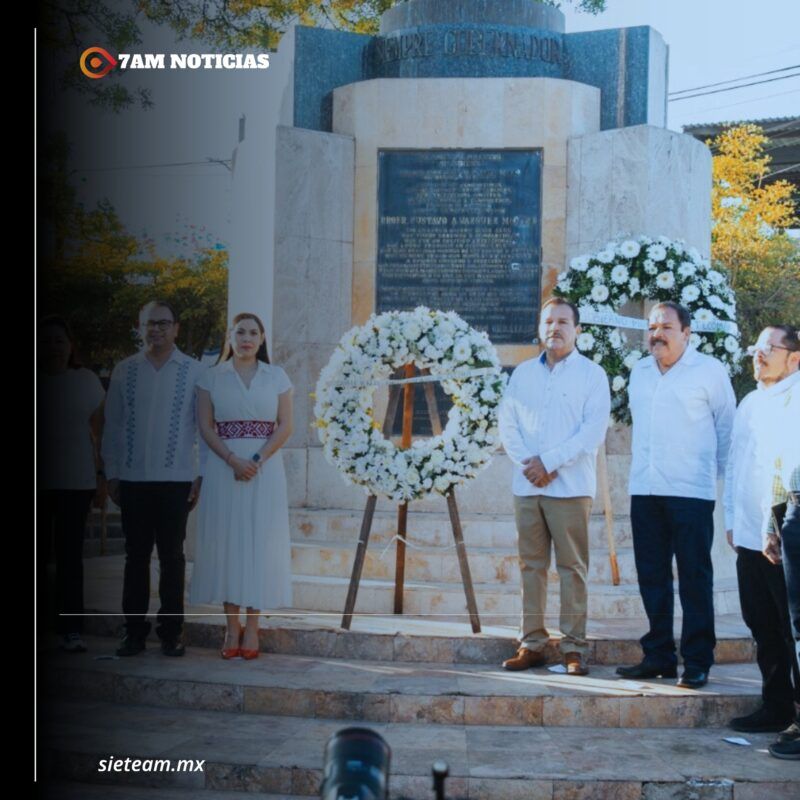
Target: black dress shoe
[(647, 670), (130, 646), (693, 678), (173, 647), (761, 721)]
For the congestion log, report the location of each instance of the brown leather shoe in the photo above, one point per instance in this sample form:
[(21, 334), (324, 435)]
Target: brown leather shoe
[(524, 659), (575, 664)]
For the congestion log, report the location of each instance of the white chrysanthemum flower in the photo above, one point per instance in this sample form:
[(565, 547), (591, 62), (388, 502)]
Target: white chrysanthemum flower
[(703, 315), (579, 263), (689, 294), (597, 358), (615, 339), (412, 331), (665, 280), (634, 287), (462, 350), (715, 277), (731, 345), (632, 358), (629, 248), (650, 266), (695, 340), (596, 273), (605, 256), (619, 274), (599, 292), (708, 348), (686, 269), (656, 252), (715, 301), (618, 384), (585, 341)]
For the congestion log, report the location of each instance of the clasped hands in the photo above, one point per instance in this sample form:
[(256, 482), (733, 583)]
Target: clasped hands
[(243, 468), (536, 472)]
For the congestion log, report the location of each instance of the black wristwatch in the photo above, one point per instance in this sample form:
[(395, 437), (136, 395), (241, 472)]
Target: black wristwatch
[(256, 458)]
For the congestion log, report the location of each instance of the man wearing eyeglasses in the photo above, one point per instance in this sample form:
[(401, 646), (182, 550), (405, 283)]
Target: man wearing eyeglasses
[(779, 450), (762, 589), (148, 450)]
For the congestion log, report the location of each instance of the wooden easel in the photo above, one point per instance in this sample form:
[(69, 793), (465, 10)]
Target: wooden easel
[(402, 509), (605, 493)]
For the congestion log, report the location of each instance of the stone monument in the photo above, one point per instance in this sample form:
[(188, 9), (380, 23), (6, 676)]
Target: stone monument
[(459, 159)]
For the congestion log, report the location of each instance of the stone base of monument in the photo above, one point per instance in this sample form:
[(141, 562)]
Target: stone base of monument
[(324, 544)]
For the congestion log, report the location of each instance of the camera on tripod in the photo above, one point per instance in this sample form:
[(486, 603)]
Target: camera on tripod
[(356, 767)]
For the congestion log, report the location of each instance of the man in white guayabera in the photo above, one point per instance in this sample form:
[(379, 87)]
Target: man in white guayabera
[(762, 589), (553, 418), (682, 404)]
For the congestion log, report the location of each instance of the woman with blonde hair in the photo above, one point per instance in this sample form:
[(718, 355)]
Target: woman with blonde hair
[(243, 552)]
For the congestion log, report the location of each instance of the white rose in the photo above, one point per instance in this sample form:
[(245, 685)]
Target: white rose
[(597, 358), (731, 345), (618, 384)]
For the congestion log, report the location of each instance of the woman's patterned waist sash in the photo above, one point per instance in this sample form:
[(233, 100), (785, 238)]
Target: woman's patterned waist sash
[(245, 429)]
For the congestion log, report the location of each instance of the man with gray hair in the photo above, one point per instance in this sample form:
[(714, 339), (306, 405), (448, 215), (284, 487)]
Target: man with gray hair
[(149, 454), (682, 404)]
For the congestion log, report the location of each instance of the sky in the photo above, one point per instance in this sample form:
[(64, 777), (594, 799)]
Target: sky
[(195, 117)]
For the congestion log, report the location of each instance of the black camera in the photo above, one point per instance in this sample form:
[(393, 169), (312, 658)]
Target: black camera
[(356, 767)]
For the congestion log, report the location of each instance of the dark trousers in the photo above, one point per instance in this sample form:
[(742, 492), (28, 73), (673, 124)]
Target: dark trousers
[(61, 526), (790, 552), (683, 527), (790, 547), (154, 513), (762, 594)]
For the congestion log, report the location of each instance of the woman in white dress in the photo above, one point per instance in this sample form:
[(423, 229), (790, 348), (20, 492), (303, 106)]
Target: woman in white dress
[(243, 552)]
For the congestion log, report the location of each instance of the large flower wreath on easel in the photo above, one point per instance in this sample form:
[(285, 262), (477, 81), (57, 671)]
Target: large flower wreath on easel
[(647, 269)]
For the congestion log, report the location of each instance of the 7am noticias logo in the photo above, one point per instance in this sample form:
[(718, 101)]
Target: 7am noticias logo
[(97, 62)]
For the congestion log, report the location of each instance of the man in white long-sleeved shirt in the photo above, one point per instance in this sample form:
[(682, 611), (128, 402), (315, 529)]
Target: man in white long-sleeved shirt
[(682, 404), (148, 449), (553, 418), (762, 589)]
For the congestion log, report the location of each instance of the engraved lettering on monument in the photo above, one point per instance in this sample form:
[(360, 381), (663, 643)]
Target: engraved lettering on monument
[(460, 230)]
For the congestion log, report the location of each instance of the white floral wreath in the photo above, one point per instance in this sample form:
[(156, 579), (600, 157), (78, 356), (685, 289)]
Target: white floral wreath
[(655, 269), (467, 364)]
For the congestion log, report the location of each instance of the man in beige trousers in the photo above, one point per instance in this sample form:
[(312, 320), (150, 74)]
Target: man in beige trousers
[(553, 418)]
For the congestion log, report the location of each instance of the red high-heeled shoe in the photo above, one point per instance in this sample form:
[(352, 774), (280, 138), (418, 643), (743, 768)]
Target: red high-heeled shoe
[(232, 652), (248, 655)]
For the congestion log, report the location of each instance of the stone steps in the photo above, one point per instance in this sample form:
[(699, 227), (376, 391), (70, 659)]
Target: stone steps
[(432, 564), (433, 528), (422, 640), (399, 692), (498, 603), (283, 755)]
